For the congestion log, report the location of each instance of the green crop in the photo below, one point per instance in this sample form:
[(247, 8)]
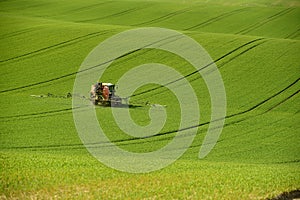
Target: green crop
[(255, 46)]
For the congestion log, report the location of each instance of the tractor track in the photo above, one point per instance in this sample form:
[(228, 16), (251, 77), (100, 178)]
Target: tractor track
[(85, 8), (287, 162), (267, 20), (235, 57), (20, 32), (164, 17), (227, 117), (215, 19), (139, 140), (32, 6), (42, 114), (283, 101), (39, 113), (206, 66), (266, 100), (61, 44), (124, 12), (61, 77), (99, 65), (77, 72), (294, 34), (124, 142), (241, 53), (248, 132), (194, 79)]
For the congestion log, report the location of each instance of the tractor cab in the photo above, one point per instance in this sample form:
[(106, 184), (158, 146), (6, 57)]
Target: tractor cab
[(111, 88), (104, 94)]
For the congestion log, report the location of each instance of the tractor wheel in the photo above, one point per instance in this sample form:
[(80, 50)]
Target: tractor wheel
[(94, 101), (113, 103), (116, 101)]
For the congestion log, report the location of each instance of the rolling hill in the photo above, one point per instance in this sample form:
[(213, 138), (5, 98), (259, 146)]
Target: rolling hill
[(255, 46)]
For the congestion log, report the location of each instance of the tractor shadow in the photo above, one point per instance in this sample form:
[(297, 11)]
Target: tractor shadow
[(124, 106)]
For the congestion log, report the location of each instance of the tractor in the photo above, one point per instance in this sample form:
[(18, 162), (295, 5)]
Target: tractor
[(104, 94)]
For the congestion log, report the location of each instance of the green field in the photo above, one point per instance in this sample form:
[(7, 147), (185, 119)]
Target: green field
[(256, 46)]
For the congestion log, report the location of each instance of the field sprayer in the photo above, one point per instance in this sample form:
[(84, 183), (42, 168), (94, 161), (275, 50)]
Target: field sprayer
[(104, 94)]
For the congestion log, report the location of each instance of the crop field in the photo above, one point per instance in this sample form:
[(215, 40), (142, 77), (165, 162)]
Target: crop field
[(256, 46)]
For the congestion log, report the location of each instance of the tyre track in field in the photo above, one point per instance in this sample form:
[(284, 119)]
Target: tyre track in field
[(215, 19), (61, 44), (241, 53), (294, 34), (219, 67), (91, 35), (283, 101), (99, 65), (58, 111), (267, 99), (61, 77), (40, 114), (267, 20), (32, 6), (123, 142), (164, 17), (121, 13), (144, 140), (227, 117), (37, 114), (206, 66), (250, 117), (234, 57), (20, 32), (85, 8)]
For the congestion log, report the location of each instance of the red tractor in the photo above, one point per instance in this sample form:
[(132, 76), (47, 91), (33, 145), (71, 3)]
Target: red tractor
[(104, 94)]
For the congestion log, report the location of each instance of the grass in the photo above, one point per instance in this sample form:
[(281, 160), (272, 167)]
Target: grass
[(89, 179), (255, 46)]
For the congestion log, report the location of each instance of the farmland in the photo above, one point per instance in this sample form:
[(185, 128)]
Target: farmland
[(255, 46)]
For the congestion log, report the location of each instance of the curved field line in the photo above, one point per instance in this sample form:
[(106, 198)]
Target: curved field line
[(260, 114), (142, 140), (294, 34), (219, 66), (139, 140), (20, 32), (61, 77), (36, 114), (235, 57), (78, 72), (215, 19), (283, 101), (228, 116), (266, 100), (31, 6), (39, 114), (64, 43), (195, 72), (267, 20), (124, 12), (84, 8), (239, 54), (248, 49), (164, 17), (285, 162), (99, 65)]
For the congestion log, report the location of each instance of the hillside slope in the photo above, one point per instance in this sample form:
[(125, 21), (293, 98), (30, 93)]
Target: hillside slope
[(255, 46)]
